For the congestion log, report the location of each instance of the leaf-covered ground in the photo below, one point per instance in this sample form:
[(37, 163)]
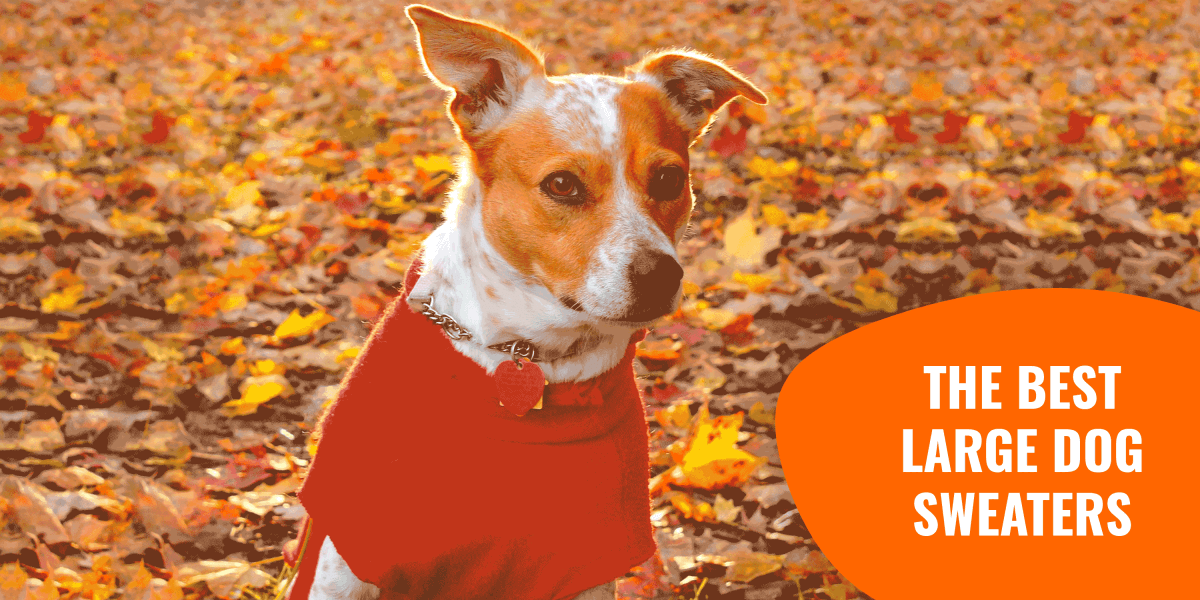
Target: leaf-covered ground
[(205, 205)]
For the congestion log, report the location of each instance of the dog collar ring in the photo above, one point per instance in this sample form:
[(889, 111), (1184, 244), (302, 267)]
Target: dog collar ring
[(518, 349)]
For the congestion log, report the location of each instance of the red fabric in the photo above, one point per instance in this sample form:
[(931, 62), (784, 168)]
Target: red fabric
[(431, 490)]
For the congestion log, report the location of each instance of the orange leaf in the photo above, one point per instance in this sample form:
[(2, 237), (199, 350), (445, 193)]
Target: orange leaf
[(927, 89)]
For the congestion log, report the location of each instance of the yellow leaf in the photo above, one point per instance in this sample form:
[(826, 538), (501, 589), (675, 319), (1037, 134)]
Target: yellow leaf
[(874, 299), (176, 303), (243, 194), (742, 240), (172, 591), (12, 579), (64, 300), (727, 511), (766, 168), (809, 221), (386, 76), (47, 591), (927, 228), (434, 163), (756, 283), (690, 508), (1052, 226), (263, 367), (1170, 221), (255, 160), (255, 395), (12, 228), (234, 346), (676, 415), (773, 215), (749, 566), (717, 318), (296, 325), (713, 459), (348, 355), (233, 301), (1189, 166), (135, 226), (760, 414), (161, 353)]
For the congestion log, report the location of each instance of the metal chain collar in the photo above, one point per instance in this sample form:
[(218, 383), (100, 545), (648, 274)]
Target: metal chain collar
[(517, 349)]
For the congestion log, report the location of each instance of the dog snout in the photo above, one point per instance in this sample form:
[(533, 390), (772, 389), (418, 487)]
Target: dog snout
[(656, 276)]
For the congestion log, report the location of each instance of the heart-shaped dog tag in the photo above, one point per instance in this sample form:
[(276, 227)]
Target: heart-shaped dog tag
[(519, 386)]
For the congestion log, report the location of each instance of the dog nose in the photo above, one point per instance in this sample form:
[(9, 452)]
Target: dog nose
[(656, 276)]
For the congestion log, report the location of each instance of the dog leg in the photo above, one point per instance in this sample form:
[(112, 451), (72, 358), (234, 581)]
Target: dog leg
[(335, 581), (607, 591)]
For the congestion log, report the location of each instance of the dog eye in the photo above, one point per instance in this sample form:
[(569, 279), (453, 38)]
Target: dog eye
[(667, 183), (563, 187)]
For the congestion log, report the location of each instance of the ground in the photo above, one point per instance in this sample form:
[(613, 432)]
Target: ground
[(206, 205)]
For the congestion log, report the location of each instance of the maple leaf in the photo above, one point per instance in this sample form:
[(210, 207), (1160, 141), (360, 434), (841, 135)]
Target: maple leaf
[(713, 459)]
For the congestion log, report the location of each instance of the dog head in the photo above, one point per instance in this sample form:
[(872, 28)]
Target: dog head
[(584, 178)]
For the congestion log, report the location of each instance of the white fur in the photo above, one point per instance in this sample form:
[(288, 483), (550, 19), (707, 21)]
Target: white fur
[(607, 288), (335, 581)]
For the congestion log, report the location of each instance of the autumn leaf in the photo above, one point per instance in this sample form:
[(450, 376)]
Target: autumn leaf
[(743, 242), (713, 459), (433, 163), (252, 398), (927, 88), (64, 300), (754, 282), (931, 228), (12, 580), (243, 194), (233, 346), (1048, 225), (766, 168), (1170, 222), (296, 325), (814, 221), (751, 565), (759, 414)]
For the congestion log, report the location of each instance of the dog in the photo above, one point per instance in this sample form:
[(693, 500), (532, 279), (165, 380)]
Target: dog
[(557, 249)]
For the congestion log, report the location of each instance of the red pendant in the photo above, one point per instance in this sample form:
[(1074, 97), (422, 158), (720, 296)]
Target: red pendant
[(520, 386)]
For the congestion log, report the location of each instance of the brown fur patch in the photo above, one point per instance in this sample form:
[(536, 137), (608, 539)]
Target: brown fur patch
[(536, 235), (653, 139)]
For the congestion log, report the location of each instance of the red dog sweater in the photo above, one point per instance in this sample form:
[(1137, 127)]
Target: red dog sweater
[(430, 489)]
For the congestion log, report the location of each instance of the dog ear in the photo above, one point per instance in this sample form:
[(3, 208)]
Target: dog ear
[(697, 85), (485, 67)]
